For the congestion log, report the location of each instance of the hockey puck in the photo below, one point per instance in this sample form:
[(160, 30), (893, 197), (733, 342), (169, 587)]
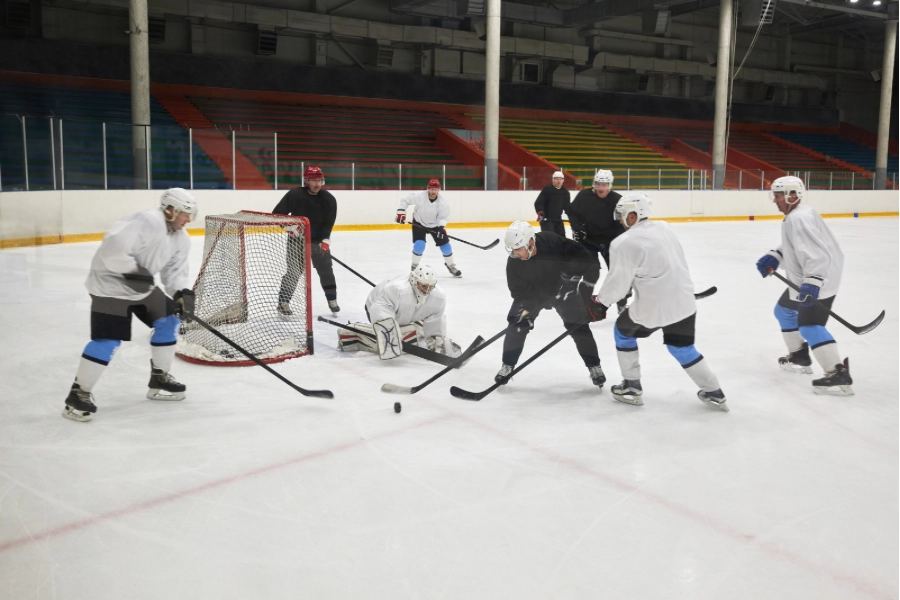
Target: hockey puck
[(397, 407)]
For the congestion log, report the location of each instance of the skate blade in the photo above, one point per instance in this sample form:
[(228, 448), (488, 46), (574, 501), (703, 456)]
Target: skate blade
[(795, 369), (834, 390), (723, 406), (164, 395), (629, 399), (76, 415)]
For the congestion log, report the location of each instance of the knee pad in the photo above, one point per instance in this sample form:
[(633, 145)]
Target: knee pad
[(815, 335), (685, 355), (446, 249), (787, 318), (419, 247), (623, 342), (164, 331), (101, 351)]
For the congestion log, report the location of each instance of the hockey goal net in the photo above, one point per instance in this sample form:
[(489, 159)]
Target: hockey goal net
[(250, 262)]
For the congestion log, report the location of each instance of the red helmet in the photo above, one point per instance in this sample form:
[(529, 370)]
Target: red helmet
[(313, 173), (434, 183)]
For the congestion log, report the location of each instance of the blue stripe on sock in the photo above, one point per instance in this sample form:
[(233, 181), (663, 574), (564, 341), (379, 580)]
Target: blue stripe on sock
[(164, 331)]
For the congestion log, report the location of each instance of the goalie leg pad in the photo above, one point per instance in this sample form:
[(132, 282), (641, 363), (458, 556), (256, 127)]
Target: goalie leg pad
[(350, 341), (387, 333)]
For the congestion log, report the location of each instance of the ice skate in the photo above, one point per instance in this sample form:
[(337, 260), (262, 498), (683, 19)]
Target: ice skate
[(333, 306), (629, 392), (715, 398), (502, 376), (597, 376), (454, 271), (163, 386), (797, 361), (79, 405), (284, 309), (836, 382)]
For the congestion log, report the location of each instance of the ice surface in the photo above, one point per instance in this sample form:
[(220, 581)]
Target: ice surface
[(545, 489)]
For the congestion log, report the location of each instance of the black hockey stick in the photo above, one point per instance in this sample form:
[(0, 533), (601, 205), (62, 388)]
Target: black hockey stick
[(335, 259), (477, 346), (408, 347), (430, 230), (706, 293), (857, 330), (305, 392)]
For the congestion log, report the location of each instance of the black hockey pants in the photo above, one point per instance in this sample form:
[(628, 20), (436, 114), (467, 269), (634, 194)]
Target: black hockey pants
[(571, 312), (320, 260)]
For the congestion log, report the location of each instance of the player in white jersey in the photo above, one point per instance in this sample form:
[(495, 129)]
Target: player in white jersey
[(121, 284), (432, 211), (812, 260), (649, 258), (402, 309)]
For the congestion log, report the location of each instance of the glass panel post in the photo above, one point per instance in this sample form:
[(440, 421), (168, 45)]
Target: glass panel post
[(302, 173), (444, 178), (52, 154), (233, 169), (25, 150), (147, 156), (659, 179), (524, 178), (62, 159), (762, 180), (830, 180), (105, 176), (353, 176), (276, 159), (485, 177), (400, 175), (740, 180), (191, 156), (628, 179), (852, 179)]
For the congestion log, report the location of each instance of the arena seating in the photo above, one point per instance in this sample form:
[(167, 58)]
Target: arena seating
[(83, 111), (838, 147), (354, 146)]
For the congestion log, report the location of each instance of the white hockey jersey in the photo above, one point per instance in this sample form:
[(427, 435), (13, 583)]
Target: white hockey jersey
[(140, 243), (649, 258), (810, 250), (428, 213), (395, 299)]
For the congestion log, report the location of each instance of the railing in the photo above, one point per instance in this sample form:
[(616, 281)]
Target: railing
[(48, 153)]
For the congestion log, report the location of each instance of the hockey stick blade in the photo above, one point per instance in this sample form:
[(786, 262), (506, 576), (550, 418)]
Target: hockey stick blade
[(408, 348), (858, 330), (706, 293), (432, 230), (215, 332), (474, 348)]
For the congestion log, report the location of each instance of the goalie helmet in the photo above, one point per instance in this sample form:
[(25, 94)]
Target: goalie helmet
[(787, 185), (313, 173), (179, 199), (518, 236), (604, 176), (422, 280), (639, 204)]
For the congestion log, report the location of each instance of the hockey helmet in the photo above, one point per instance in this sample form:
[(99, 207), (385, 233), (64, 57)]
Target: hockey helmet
[(180, 200), (788, 185), (559, 174), (639, 204), (603, 176), (518, 236), (434, 183), (422, 279), (313, 173)]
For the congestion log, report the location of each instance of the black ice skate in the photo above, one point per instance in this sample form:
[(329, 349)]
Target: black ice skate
[(715, 398), (333, 306), (597, 376), (837, 382), (797, 361), (454, 271), (284, 309), (79, 405), (163, 386), (502, 376), (629, 392)]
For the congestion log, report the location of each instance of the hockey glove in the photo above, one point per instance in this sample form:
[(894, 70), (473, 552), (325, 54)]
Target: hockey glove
[(579, 236), (184, 303), (540, 216), (520, 316), (325, 246), (436, 344), (769, 262), (595, 309), (809, 291), (440, 235), (401, 216), (568, 285)]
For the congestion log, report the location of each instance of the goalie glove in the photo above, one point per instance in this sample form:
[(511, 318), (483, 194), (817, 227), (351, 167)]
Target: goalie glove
[(401, 216), (436, 344), (387, 333), (184, 303)]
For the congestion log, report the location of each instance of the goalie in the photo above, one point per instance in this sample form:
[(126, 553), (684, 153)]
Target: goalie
[(405, 308)]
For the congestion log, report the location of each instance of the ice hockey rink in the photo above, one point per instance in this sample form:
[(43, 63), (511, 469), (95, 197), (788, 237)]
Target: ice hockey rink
[(545, 489)]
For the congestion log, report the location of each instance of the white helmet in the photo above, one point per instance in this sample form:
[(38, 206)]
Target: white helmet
[(558, 174), (179, 199), (422, 276), (639, 204), (787, 185), (517, 236), (604, 176)]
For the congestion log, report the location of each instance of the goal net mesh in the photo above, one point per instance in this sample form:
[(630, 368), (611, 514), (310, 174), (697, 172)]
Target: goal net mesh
[(251, 263)]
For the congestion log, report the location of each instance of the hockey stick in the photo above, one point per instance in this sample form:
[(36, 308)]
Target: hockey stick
[(335, 259), (430, 230), (706, 293), (477, 346), (408, 347), (305, 392), (857, 330)]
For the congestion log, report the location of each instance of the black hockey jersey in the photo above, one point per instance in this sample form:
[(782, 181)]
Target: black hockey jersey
[(595, 216), (320, 209), (553, 202)]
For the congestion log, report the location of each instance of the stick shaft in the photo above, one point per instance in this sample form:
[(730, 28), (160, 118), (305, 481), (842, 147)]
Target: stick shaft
[(343, 264), (837, 318)]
